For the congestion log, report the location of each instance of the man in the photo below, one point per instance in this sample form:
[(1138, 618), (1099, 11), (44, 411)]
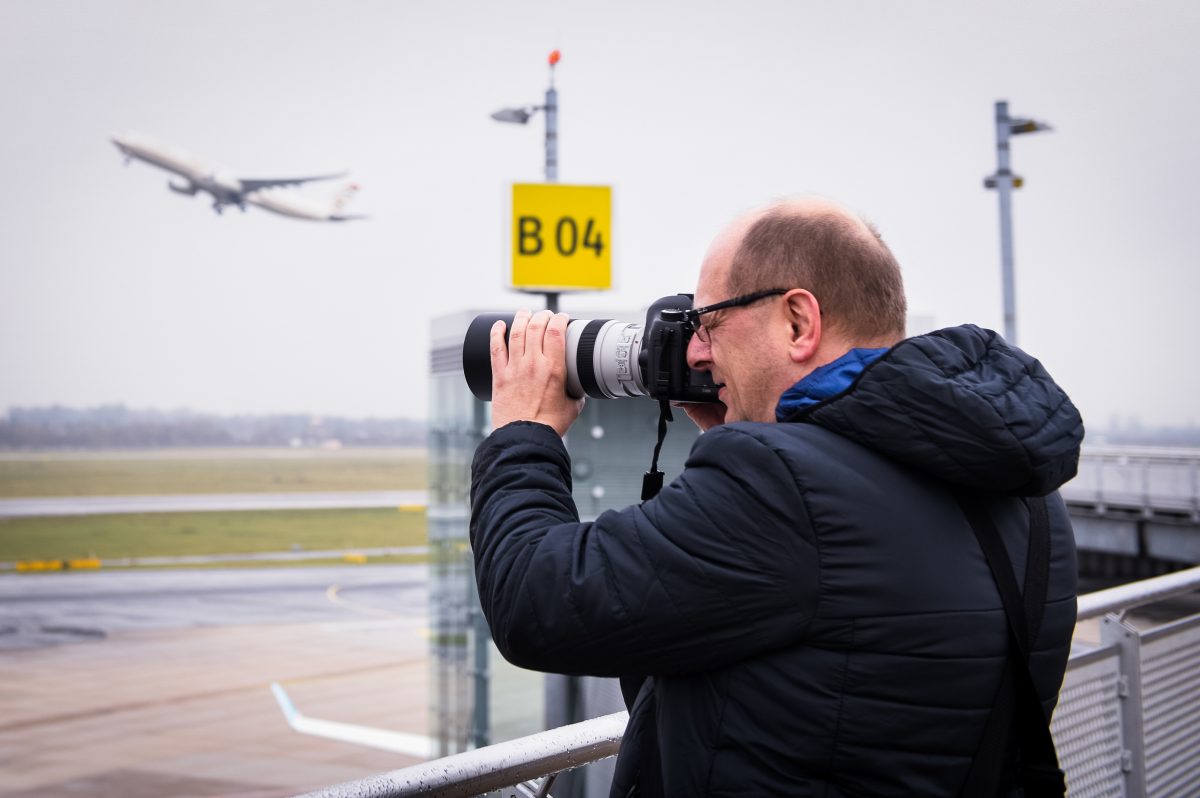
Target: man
[(805, 610)]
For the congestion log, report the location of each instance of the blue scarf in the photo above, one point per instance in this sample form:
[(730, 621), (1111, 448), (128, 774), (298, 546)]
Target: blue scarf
[(826, 381)]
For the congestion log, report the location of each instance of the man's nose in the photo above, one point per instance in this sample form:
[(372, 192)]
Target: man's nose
[(699, 355)]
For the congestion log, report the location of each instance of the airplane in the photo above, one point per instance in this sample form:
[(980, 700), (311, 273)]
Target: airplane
[(227, 188)]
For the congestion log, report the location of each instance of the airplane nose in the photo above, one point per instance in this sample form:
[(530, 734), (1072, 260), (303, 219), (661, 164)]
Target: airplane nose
[(124, 139)]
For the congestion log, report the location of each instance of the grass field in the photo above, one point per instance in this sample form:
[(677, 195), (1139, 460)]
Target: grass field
[(189, 471), (175, 534)]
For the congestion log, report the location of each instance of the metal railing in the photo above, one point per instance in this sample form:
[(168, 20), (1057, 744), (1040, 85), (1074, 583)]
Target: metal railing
[(517, 762), (1124, 725), (1141, 478), (1138, 594)]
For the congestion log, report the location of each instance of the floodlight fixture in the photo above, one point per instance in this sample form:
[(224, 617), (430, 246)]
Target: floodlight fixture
[(1021, 125), (517, 116)]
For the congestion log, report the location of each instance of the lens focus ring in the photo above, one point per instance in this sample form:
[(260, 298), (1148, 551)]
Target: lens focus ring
[(585, 358)]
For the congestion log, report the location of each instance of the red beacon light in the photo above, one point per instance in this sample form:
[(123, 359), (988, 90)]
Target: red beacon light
[(555, 57)]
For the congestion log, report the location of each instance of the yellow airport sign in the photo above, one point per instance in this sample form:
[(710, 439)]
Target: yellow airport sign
[(561, 237)]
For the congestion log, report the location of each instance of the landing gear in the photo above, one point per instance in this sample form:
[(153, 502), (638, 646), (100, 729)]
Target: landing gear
[(217, 208)]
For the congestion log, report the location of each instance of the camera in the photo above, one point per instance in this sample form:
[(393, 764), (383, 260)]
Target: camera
[(610, 359)]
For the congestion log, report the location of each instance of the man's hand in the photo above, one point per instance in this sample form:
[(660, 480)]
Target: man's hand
[(706, 415), (529, 376)]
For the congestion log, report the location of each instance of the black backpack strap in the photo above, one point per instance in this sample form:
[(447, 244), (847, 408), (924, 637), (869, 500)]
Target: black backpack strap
[(1018, 710), (1037, 566)]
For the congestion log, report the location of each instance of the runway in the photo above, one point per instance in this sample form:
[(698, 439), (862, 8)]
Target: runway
[(51, 609), (213, 502)]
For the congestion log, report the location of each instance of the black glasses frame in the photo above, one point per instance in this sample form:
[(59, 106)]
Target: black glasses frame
[(692, 317)]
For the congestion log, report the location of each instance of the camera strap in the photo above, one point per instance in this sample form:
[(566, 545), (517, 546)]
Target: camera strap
[(1018, 716), (652, 482)]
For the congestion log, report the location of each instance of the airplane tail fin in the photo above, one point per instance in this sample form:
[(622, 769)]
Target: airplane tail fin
[(339, 203), (344, 196)]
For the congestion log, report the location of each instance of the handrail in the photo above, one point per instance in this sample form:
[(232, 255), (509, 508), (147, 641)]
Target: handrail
[(1157, 453), (1138, 594), (509, 763), (496, 766), (1155, 480)]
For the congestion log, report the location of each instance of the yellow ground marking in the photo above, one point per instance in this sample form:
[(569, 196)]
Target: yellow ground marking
[(332, 591), (26, 566)]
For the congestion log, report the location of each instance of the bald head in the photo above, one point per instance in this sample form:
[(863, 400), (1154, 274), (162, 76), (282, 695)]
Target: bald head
[(819, 245), (714, 269), (810, 206)]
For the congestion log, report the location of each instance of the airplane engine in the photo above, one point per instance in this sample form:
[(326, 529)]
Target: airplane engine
[(187, 188)]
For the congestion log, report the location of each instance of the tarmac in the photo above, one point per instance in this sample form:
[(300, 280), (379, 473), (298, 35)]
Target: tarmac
[(148, 711)]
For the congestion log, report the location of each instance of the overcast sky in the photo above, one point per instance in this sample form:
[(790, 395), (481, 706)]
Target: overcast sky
[(114, 289)]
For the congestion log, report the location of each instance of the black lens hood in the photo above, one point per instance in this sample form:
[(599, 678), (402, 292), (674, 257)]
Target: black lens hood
[(477, 352)]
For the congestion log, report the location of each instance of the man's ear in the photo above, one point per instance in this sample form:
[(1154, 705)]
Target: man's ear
[(804, 315)]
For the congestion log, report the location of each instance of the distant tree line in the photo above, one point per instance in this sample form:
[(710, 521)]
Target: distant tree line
[(117, 426)]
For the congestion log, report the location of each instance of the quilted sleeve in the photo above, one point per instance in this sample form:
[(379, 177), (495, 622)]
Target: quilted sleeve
[(717, 568)]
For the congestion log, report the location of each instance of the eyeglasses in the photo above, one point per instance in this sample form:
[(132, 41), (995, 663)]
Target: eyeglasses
[(691, 318)]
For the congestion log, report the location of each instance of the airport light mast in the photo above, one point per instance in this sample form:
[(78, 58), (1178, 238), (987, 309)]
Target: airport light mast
[(520, 116), (1004, 181), (571, 686)]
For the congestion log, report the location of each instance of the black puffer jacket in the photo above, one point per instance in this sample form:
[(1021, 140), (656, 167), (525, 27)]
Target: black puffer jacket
[(811, 604)]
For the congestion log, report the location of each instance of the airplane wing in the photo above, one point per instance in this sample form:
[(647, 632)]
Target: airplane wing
[(254, 184)]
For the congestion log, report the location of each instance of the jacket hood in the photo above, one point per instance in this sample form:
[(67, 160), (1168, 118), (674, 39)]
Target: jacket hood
[(964, 406)]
